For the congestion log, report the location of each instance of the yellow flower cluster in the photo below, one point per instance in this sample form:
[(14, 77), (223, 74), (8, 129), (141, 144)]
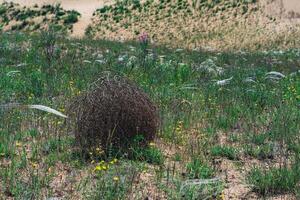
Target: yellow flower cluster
[(179, 132), (103, 166), (179, 127)]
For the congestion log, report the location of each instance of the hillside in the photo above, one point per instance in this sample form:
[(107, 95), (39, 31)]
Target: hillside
[(210, 25)]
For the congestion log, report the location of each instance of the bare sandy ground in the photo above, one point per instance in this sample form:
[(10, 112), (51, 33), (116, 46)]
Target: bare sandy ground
[(282, 8), (291, 5), (85, 7)]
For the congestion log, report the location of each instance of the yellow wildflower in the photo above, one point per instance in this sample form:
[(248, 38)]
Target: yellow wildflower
[(151, 144), (115, 178), (34, 165), (222, 196), (18, 144), (98, 168)]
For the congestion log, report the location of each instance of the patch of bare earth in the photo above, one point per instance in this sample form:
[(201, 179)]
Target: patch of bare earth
[(234, 174), (146, 185)]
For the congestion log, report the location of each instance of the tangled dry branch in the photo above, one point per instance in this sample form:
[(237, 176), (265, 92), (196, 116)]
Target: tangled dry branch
[(112, 112)]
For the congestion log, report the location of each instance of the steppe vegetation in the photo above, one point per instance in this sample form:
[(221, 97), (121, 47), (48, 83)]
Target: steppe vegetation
[(229, 120)]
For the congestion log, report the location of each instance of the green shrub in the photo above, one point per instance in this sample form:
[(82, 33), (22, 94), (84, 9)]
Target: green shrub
[(72, 17), (150, 155), (225, 151)]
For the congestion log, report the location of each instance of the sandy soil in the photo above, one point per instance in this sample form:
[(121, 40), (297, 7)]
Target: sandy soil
[(292, 5), (282, 8), (85, 7)]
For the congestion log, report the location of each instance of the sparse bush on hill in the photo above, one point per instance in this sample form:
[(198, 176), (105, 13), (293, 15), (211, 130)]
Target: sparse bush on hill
[(72, 17), (15, 17), (112, 113)]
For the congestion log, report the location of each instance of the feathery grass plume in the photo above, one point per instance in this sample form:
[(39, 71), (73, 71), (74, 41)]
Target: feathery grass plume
[(38, 107), (249, 80), (47, 109), (112, 113), (275, 76), (202, 188), (224, 82), (210, 67), (12, 73)]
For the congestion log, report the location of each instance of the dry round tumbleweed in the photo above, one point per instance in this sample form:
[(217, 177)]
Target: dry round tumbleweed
[(112, 112)]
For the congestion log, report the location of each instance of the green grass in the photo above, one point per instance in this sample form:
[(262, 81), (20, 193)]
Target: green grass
[(274, 180), (259, 117), (225, 151), (196, 169)]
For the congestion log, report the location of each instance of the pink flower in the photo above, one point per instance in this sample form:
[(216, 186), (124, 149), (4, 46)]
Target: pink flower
[(143, 38)]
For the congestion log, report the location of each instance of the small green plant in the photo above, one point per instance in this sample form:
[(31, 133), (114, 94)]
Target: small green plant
[(225, 151), (197, 169), (233, 138), (177, 157), (150, 154), (2, 10), (72, 17)]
